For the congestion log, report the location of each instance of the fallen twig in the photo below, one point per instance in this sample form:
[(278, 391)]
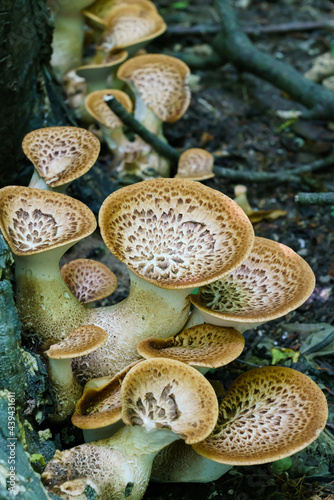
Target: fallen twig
[(315, 198)]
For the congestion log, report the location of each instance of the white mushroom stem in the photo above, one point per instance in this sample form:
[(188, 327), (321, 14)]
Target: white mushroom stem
[(124, 464), (147, 311), (146, 116), (199, 317), (45, 303), (37, 182), (115, 140)]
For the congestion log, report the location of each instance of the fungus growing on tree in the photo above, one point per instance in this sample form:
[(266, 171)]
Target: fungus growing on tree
[(195, 164), (271, 282), (60, 155)]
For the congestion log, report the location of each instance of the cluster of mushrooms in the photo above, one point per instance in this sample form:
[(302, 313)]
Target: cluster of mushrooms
[(154, 87), (131, 375)]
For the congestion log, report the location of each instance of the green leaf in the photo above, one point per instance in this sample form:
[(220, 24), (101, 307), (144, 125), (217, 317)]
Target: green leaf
[(281, 465), (195, 291), (180, 5), (37, 457), (283, 354)]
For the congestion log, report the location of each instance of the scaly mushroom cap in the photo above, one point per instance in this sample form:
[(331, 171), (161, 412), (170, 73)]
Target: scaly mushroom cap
[(175, 233), (271, 282), (35, 220), (161, 82), (88, 279), (195, 164), (100, 10), (61, 154), (129, 25), (267, 414), (81, 341), (99, 109), (100, 404), (159, 393), (201, 345)]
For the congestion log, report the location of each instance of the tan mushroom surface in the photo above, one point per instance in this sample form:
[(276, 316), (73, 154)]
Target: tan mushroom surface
[(101, 9), (61, 154), (99, 109), (164, 393), (81, 341), (267, 414), (271, 282), (195, 164), (161, 82), (88, 280), (175, 233), (100, 404), (202, 345)]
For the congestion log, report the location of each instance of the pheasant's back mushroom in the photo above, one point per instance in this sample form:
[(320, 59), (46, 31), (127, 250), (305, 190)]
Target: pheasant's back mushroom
[(271, 282), (60, 154), (195, 164)]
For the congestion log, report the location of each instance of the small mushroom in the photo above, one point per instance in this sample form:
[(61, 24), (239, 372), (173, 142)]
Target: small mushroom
[(88, 280), (195, 164), (60, 155), (66, 389), (162, 401), (99, 11), (271, 282)]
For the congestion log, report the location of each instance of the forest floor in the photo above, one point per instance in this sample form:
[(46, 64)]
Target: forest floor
[(233, 115)]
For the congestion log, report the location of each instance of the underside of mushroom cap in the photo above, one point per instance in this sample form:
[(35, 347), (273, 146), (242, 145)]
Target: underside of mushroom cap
[(175, 233), (163, 393), (81, 341), (89, 280), (161, 82), (99, 109), (195, 164), (129, 25), (267, 414), (35, 220), (201, 345), (100, 71), (61, 154), (273, 281), (100, 405)]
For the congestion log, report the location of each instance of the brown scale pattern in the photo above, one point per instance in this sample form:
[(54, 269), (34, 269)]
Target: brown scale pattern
[(33, 220), (175, 233), (88, 280), (201, 345), (271, 282), (161, 83), (100, 110), (81, 341), (61, 154), (267, 414), (170, 394)]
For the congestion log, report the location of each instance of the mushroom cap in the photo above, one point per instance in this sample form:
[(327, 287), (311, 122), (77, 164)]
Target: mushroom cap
[(100, 404), (271, 282), (99, 109), (161, 82), (61, 154), (101, 71), (200, 345), (35, 220), (89, 280), (175, 233), (195, 164), (81, 341), (129, 25), (267, 414), (158, 393), (100, 10)]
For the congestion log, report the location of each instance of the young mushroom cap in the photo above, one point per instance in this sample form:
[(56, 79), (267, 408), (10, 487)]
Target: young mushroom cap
[(202, 345), (81, 341), (99, 109), (129, 25), (100, 404), (34, 220), (267, 414), (195, 164), (175, 233), (163, 393), (271, 282), (100, 10), (161, 82), (61, 154), (88, 280)]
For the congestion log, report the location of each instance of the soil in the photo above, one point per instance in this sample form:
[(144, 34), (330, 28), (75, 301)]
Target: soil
[(233, 115)]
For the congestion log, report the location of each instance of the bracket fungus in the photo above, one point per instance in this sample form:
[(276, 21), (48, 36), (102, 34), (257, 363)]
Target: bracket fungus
[(162, 400), (39, 227), (195, 164), (66, 389), (271, 282), (60, 155)]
